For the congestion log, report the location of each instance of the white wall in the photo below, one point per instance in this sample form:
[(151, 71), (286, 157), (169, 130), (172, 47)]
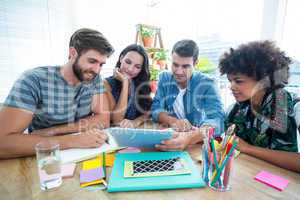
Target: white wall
[(233, 20), (115, 19), (291, 31), (32, 33), (178, 19)]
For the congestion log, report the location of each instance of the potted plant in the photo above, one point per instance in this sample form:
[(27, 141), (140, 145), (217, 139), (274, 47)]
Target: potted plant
[(161, 58), (147, 36), (153, 79)]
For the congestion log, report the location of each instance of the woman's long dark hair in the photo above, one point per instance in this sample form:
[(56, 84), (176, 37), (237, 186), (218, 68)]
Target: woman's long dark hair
[(141, 81)]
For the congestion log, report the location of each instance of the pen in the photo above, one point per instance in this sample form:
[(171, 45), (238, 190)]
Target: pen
[(104, 165), (205, 163), (217, 175), (214, 154)]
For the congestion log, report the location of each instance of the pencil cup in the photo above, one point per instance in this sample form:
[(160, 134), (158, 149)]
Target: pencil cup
[(217, 168), (49, 164)]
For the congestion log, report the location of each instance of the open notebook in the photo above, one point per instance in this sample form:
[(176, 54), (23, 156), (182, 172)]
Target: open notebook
[(77, 155)]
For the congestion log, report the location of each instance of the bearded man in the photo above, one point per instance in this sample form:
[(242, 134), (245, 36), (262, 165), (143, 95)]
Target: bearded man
[(50, 102)]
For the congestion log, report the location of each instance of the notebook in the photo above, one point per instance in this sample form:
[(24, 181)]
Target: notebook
[(77, 155), (91, 175), (145, 138), (118, 183)]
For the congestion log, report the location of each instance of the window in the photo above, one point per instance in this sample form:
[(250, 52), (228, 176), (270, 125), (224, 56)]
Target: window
[(290, 42), (33, 33)]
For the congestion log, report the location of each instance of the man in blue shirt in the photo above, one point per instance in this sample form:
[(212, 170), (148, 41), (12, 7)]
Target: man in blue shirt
[(187, 101), (55, 100)]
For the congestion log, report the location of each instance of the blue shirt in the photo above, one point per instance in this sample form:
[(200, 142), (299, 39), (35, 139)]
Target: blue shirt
[(116, 86), (53, 101), (202, 104)]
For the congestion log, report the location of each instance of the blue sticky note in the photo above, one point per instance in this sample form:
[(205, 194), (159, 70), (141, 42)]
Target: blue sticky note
[(91, 175)]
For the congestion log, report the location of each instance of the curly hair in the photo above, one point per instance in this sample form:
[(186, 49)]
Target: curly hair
[(258, 60)]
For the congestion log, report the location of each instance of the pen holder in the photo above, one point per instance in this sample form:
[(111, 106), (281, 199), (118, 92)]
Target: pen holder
[(217, 168)]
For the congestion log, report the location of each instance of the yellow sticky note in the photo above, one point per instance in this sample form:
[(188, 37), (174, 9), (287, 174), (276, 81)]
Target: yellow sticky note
[(91, 164), (98, 162), (109, 159)]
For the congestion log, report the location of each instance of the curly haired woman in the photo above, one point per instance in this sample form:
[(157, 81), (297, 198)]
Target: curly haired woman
[(263, 113)]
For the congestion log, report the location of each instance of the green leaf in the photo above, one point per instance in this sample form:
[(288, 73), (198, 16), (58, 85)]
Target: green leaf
[(160, 55), (154, 74), (147, 32)]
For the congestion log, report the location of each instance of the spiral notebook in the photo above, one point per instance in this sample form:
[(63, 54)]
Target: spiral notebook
[(118, 182)]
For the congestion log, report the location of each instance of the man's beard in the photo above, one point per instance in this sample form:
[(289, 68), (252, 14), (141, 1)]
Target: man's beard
[(79, 73)]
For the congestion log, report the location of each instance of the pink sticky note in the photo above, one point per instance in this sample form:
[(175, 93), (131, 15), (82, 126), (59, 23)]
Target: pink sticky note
[(271, 180), (91, 175), (67, 170)]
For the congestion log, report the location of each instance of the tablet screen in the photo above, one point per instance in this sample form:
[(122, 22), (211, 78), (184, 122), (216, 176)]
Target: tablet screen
[(143, 138)]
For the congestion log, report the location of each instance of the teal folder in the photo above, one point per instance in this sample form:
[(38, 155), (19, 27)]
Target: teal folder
[(118, 183)]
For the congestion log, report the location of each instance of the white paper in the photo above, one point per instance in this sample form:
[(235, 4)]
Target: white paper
[(78, 154)]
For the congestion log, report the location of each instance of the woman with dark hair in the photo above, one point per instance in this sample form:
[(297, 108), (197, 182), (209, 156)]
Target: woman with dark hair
[(128, 90), (263, 113)]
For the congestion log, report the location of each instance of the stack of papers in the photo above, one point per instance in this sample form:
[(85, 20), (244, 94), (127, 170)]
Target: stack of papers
[(93, 171)]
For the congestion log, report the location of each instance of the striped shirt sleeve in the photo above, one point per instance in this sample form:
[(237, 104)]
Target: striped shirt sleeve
[(24, 93)]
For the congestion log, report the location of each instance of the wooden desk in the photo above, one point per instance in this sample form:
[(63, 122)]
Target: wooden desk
[(19, 180)]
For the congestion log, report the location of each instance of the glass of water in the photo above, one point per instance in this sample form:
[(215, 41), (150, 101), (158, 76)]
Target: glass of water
[(49, 164)]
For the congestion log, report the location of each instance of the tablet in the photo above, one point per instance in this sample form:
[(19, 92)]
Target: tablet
[(143, 138)]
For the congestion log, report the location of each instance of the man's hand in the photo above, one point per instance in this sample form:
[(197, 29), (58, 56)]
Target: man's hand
[(204, 129), (178, 142), (89, 139), (181, 125), (126, 123)]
